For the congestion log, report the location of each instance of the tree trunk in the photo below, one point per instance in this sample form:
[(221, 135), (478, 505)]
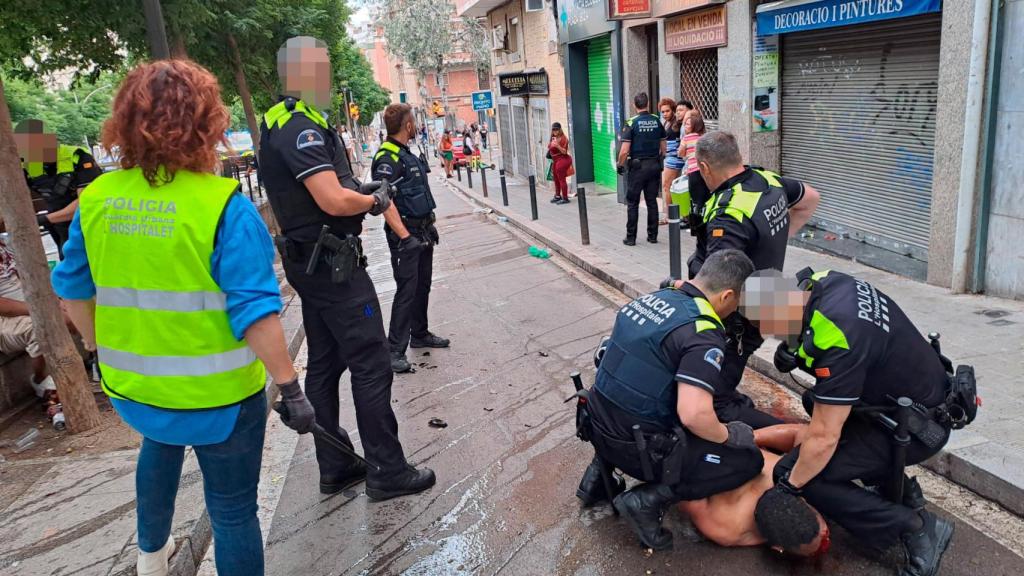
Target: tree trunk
[(244, 94), (62, 358)]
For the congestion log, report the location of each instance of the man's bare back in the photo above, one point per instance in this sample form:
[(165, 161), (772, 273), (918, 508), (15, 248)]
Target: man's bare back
[(728, 518)]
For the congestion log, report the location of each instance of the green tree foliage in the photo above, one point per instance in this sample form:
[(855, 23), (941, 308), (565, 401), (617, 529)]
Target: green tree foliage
[(353, 71), (76, 114)]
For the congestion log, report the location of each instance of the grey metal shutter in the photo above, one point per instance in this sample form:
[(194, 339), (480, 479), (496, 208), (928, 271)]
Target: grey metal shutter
[(522, 147), (858, 124), (507, 157)]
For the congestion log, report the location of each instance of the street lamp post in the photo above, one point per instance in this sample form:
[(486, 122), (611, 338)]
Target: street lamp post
[(155, 31)]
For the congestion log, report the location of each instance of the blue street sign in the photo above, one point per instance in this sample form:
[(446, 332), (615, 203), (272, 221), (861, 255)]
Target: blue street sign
[(483, 100)]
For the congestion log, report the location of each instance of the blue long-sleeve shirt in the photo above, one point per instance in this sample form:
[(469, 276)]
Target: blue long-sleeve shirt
[(242, 265)]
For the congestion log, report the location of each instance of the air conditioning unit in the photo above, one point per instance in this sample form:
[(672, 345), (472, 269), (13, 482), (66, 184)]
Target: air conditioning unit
[(499, 38), (534, 5)]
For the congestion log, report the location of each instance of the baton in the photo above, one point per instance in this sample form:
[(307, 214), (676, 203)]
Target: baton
[(321, 434)]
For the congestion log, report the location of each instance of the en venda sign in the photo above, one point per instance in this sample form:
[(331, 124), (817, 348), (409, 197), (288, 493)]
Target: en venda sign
[(797, 15)]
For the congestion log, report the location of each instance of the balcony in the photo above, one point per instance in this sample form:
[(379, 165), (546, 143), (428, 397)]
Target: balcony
[(477, 8)]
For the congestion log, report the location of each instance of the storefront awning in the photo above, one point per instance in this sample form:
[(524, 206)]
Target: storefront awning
[(797, 15)]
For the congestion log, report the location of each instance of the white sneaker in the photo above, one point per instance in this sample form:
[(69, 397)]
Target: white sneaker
[(42, 387), (155, 563)]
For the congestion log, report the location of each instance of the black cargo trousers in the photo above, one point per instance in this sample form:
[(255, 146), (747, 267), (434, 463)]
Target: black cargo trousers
[(345, 331), (643, 178)]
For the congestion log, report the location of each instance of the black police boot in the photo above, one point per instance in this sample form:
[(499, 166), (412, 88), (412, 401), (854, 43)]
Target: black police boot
[(591, 489), (925, 547), (399, 363), (408, 481), (913, 496), (431, 340), (629, 241), (652, 239), (643, 507), (330, 484)]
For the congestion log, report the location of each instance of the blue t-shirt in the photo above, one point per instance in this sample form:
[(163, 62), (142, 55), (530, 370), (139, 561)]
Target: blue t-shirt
[(243, 266)]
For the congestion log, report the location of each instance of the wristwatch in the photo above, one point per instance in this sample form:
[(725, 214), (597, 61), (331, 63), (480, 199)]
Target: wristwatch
[(786, 486)]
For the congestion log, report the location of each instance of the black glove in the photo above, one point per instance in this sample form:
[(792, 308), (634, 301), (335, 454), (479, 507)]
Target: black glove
[(381, 192), (296, 411), (741, 435), (410, 245), (42, 220), (669, 282), (432, 235), (620, 169), (785, 359)]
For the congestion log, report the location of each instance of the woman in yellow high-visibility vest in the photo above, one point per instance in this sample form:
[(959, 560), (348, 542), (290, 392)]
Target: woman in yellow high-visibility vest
[(168, 274)]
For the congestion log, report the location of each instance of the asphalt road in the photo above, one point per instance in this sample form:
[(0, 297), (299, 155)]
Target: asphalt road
[(508, 462)]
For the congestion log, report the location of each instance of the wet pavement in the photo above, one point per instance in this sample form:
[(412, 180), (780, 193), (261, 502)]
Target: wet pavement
[(508, 461)]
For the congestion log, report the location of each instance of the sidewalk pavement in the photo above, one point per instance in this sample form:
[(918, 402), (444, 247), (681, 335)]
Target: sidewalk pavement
[(76, 515), (986, 457)]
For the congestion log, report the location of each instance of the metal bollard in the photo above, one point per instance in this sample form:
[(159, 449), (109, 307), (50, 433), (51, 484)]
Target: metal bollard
[(504, 187), (458, 171), (675, 262), (248, 179), (469, 176), (581, 201), (901, 439), (483, 179), (533, 197)]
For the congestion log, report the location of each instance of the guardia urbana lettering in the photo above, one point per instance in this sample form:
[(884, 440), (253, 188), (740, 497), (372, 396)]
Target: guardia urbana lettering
[(134, 205)]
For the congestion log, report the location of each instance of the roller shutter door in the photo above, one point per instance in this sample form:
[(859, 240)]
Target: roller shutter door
[(522, 150), (507, 157), (858, 123), (602, 113)]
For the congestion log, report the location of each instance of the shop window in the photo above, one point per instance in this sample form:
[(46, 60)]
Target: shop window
[(699, 77)]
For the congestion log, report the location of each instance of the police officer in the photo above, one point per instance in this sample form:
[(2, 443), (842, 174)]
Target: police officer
[(412, 268), (313, 194), (862, 351), (57, 173), (657, 375), (643, 147), (755, 211)]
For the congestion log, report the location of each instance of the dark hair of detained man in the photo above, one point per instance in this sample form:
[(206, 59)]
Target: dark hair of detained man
[(863, 352), (754, 211), (412, 258), (651, 408), (320, 207)]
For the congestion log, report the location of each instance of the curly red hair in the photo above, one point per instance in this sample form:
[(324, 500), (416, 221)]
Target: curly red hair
[(167, 116)]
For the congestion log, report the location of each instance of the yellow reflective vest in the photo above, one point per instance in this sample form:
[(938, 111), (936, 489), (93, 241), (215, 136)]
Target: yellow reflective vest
[(162, 331)]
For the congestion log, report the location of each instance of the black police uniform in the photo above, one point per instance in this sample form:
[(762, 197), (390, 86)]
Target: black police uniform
[(344, 328), (863, 350), (60, 190), (659, 341), (645, 133), (394, 162), (748, 212)]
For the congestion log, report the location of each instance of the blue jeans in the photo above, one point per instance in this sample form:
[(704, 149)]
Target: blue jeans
[(231, 472)]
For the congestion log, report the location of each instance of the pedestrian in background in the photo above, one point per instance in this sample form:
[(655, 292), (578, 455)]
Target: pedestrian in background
[(346, 139), (693, 129), (447, 152), (687, 106), (667, 109), (561, 163), (673, 163), (181, 310), (483, 135)]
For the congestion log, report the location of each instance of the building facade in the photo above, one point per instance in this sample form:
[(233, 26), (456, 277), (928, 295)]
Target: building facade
[(526, 79)]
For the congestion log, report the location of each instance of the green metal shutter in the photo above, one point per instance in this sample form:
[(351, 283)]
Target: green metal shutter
[(858, 124), (602, 115)]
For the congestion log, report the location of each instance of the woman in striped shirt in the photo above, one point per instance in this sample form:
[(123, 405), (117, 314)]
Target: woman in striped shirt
[(693, 129)]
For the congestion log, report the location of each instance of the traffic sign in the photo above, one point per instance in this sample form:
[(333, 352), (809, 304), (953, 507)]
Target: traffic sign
[(483, 100)]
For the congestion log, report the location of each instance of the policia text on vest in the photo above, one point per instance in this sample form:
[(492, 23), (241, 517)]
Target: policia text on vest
[(343, 323)]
